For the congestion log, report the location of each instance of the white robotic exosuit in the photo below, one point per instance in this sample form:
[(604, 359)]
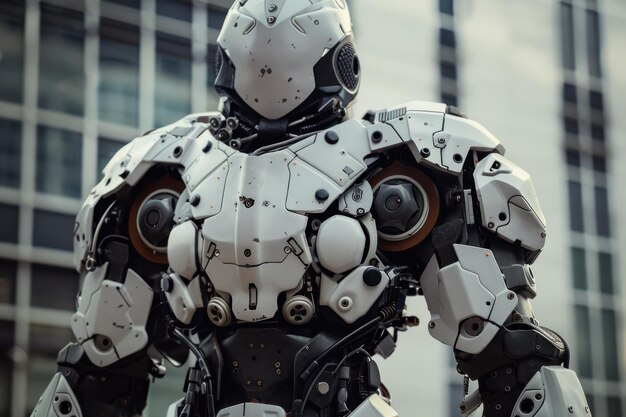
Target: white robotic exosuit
[(277, 240)]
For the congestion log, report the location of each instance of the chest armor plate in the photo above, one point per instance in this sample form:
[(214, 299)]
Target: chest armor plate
[(256, 247)]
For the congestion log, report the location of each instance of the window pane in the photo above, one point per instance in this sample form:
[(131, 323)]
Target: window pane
[(61, 78), (599, 163), (569, 93), (596, 100), (448, 70), (446, 6), (61, 282), (449, 99), (9, 216), (567, 36), (614, 406), (8, 272), (570, 125), (11, 49), (455, 392), (130, 3), (118, 91), (573, 157), (216, 17), (178, 9), (605, 263), (7, 332), (59, 161), (583, 341), (579, 268), (45, 342), (609, 339), (53, 230), (597, 132), (106, 150), (593, 43), (447, 38), (173, 79), (575, 206), (602, 212), (10, 154)]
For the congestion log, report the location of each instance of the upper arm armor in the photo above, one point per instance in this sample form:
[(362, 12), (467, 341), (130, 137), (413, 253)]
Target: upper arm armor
[(436, 138), (508, 202), (166, 146)]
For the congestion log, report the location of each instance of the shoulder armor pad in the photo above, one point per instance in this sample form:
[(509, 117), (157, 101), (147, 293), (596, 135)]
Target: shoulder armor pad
[(508, 202), (167, 145), (436, 137)]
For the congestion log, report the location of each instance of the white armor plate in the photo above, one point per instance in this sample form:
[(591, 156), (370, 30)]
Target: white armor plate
[(508, 202)]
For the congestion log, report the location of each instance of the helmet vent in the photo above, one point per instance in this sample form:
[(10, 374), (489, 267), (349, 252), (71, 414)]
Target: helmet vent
[(348, 67)]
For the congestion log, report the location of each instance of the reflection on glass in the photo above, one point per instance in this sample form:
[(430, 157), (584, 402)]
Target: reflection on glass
[(106, 150), (603, 224), (605, 262), (216, 17), (575, 206), (8, 271), (583, 344), (11, 49), (178, 9), (9, 216), (212, 96), (61, 73), (7, 332), (61, 282), (59, 161), (579, 268), (130, 3), (609, 341), (567, 36), (53, 230), (10, 157), (118, 90), (593, 43), (173, 79), (45, 343)]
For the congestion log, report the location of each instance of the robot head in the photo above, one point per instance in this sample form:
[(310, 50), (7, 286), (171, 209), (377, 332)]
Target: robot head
[(287, 59)]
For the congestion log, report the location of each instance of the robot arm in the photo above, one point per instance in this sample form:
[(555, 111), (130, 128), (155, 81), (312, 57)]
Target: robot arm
[(478, 286), (120, 251)]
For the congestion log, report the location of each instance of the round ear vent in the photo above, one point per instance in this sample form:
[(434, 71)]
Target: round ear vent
[(348, 67), (406, 206)]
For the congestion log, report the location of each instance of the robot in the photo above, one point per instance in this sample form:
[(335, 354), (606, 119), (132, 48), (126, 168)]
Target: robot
[(276, 240)]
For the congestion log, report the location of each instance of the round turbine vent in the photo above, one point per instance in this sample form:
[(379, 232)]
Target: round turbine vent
[(348, 67)]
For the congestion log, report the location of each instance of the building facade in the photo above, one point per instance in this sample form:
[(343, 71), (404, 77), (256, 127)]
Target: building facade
[(79, 78)]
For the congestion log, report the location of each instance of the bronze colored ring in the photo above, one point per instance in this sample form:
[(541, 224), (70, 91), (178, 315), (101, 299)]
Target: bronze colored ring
[(395, 169)]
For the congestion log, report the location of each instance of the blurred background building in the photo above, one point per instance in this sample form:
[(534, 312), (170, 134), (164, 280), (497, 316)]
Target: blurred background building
[(79, 78)]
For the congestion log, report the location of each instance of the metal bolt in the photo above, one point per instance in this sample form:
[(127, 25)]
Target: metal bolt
[(538, 397), (462, 408), (431, 324), (277, 364), (247, 252), (259, 383), (570, 409), (323, 388), (510, 295), (272, 8), (287, 249), (441, 139), (235, 363), (490, 225), (271, 20), (278, 372)]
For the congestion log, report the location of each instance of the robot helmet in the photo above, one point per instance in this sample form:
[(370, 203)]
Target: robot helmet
[(287, 59)]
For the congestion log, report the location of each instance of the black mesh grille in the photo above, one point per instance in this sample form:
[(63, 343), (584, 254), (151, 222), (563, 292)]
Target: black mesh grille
[(348, 66)]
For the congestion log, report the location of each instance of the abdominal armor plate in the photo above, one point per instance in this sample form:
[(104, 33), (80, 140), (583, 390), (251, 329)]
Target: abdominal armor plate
[(256, 247)]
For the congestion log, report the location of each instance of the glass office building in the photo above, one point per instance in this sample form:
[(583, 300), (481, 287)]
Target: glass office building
[(79, 78)]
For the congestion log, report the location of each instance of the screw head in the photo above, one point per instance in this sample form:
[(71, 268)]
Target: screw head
[(323, 388), (271, 20), (441, 139), (570, 408), (195, 200), (425, 153), (321, 195), (431, 324), (331, 137), (272, 8)]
